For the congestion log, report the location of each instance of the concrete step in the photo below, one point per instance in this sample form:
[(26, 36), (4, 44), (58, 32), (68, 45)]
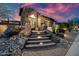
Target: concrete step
[(39, 37), (38, 31), (38, 41), (40, 44), (46, 35)]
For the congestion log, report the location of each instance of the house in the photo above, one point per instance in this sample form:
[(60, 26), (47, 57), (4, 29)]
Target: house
[(36, 19)]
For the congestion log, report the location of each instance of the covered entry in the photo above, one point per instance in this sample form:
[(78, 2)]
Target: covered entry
[(37, 21)]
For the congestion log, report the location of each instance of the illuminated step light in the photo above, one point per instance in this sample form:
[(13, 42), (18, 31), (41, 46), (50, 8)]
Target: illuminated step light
[(38, 32), (39, 37), (41, 43)]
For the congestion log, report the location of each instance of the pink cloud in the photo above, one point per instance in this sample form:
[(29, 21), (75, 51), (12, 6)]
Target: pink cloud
[(54, 10), (47, 10), (50, 9), (63, 8), (26, 4), (57, 17), (16, 16)]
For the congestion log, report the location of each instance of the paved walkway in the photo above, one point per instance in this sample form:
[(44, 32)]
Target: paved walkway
[(74, 49), (58, 50)]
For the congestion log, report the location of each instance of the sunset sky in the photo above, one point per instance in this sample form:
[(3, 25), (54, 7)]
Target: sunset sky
[(58, 11)]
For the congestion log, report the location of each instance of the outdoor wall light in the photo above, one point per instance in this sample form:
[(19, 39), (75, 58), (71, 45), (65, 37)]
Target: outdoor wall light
[(32, 16)]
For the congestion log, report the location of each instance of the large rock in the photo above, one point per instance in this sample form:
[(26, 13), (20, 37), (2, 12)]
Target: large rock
[(26, 31), (2, 29), (21, 38)]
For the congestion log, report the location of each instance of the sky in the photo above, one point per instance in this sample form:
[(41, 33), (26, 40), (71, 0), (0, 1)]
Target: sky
[(61, 12)]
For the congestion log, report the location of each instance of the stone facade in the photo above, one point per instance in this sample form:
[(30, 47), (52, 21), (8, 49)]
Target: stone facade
[(36, 20)]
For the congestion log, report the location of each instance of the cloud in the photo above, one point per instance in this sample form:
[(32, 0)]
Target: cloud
[(51, 8), (71, 17), (48, 10), (16, 16), (55, 9), (27, 4), (57, 17), (63, 7), (59, 11)]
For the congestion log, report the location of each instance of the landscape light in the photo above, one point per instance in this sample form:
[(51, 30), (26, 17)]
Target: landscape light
[(39, 37)]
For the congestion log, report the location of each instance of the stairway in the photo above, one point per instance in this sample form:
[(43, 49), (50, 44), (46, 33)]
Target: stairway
[(39, 39)]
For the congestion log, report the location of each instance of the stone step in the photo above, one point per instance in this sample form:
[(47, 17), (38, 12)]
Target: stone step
[(38, 41), (40, 45), (46, 35), (37, 38), (38, 31)]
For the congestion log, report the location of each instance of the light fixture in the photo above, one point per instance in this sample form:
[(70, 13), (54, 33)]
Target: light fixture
[(39, 37), (41, 43), (32, 16), (38, 32), (66, 35)]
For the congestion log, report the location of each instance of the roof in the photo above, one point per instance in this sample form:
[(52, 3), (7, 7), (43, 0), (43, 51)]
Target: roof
[(21, 10)]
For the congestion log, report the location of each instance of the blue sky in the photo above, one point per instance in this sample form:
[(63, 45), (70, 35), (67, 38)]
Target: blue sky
[(60, 12)]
